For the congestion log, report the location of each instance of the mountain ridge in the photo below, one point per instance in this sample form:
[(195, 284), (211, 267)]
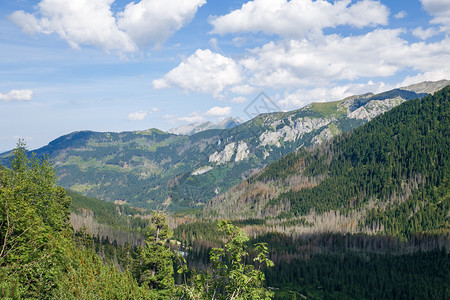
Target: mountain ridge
[(151, 168)]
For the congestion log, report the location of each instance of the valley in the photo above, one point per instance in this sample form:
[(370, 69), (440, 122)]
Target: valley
[(337, 191)]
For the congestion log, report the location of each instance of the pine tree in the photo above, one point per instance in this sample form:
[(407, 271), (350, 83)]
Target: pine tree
[(154, 267)]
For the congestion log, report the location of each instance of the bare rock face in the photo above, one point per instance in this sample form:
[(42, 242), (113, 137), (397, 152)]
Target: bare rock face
[(293, 132), (374, 108), (242, 151), (223, 156), (202, 170)]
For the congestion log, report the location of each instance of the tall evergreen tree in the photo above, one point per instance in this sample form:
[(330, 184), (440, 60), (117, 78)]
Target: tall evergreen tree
[(154, 267)]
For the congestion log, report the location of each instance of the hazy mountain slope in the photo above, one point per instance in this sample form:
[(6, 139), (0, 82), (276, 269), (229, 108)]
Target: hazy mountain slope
[(194, 128), (152, 167), (391, 174)]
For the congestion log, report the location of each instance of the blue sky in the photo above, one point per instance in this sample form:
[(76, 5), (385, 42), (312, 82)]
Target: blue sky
[(104, 65)]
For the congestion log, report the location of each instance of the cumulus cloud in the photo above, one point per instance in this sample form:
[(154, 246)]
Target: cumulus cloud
[(400, 14), (424, 34), (427, 76), (239, 99), (440, 10), (78, 22), (296, 63), (243, 89), (87, 22), (297, 18), (302, 97), (137, 116), (194, 117), (153, 21), (204, 71), (200, 117), (218, 111), (17, 95), (141, 115)]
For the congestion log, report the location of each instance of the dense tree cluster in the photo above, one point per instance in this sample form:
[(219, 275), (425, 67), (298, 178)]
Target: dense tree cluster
[(372, 276)]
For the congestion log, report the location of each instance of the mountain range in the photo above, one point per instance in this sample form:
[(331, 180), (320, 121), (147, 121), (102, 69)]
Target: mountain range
[(152, 168)]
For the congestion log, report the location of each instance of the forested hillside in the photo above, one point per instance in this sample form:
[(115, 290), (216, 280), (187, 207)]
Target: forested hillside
[(390, 175)]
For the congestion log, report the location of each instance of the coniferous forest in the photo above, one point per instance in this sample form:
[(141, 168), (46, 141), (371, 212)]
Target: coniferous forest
[(395, 169)]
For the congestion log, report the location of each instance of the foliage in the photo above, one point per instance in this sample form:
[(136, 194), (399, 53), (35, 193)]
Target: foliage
[(38, 256), (34, 224), (154, 265), (86, 277), (230, 277)]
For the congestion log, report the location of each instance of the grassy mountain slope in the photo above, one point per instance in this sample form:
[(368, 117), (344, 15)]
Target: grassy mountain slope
[(389, 175)]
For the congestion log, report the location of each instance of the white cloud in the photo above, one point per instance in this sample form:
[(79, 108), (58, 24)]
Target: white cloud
[(244, 89), (17, 95), (137, 116), (302, 97), (195, 117), (440, 10), (154, 21), (88, 22), (296, 63), (200, 117), (28, 22), (78, 22), (424, 34), (400, 14), (218, 111), (239, 99), (141, 115), (297, 18), (214, 44), (317, 63), (204, 71), (427, 76)]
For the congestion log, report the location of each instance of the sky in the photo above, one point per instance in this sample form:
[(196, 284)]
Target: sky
[(105, 65)]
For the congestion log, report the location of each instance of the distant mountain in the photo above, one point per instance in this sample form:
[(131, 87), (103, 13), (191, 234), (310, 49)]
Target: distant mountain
[(152, 168), (193, 128), (390, 175), (429, 87)]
